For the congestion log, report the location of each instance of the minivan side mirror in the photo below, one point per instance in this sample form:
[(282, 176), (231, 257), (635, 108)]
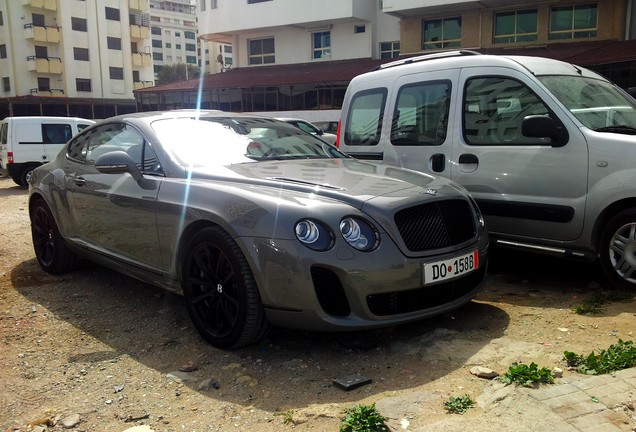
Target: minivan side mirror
[(543, 126)]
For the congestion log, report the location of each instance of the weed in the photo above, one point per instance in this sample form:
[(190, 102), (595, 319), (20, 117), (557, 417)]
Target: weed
[(459, 404), (288, 416), (363, 418), (527, 376), (594, 305), (621, 355)]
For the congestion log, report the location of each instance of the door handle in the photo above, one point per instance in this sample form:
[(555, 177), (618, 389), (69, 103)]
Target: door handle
[(79, 181), (468, 158), (438, 162)]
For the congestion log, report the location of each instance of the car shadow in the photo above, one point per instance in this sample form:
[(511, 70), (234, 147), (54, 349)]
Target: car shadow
[(6, 191), (536, 280), (152, 326)]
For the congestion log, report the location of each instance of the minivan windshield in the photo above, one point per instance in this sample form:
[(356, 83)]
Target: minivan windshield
[(598, 104)]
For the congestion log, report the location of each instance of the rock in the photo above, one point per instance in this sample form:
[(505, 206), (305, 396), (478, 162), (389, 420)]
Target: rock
[(142, 428), (71, 421), (557, 372), (208, 384), (483, 372), (180, 377)]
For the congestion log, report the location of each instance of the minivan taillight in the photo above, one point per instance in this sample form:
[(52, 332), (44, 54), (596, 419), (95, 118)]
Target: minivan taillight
[(338, 134), (10, 157)]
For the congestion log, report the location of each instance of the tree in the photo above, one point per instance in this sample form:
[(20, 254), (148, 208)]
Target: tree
[(177, 72)]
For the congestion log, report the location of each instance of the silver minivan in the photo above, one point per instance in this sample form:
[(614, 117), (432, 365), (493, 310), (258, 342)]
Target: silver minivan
[(547, 148)]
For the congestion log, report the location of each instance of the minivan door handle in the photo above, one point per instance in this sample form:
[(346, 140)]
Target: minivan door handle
[(468, 158), (438, 162)]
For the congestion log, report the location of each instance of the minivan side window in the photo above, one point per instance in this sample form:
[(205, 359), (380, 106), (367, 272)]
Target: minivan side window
[(494, 108), (3, 133), (420, 116), (56, 133), (364, 122)]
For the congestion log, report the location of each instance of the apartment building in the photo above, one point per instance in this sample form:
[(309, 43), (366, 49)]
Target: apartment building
[(291, 31), (73, 57), (174, 33)]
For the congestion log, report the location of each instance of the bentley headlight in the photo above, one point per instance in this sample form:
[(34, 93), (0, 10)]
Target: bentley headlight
[(314, 235), (359, 234)]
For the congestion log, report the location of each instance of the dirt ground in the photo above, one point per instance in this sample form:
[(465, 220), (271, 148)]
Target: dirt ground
[(96, 351)]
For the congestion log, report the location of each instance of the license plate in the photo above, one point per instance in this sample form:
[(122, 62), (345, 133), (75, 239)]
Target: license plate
[(451, 268)]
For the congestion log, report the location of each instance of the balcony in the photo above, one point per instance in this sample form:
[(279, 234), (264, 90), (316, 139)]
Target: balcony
[(138, 85), (50, 65), (47, 92), (140, 5), (42, 33), (41, 4), (139, 32), (141, 59)]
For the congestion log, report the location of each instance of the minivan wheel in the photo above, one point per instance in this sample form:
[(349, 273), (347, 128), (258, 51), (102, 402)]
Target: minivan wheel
[(50, 250), (618, 249), (220, 291)]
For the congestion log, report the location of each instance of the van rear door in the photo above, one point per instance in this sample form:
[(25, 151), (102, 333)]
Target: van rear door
[(54, 135), (524, 186)]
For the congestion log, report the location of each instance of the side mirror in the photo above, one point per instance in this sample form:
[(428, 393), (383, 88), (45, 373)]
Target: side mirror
[(118, 162), (543, 126)]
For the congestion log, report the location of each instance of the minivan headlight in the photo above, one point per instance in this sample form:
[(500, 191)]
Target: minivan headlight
[(359, 234), (314, 235)]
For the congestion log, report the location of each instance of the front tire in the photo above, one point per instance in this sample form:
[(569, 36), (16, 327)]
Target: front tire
[(618, 249), (220, 291), (50, 249)]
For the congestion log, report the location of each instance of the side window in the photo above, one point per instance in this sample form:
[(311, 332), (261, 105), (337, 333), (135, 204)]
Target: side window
[(364, 122), (420, 116), (494, 108), (56, 133), (3, 133)]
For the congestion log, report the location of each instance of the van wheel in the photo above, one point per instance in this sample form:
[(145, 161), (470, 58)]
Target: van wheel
[(618, 249), (50, 249), (24, 176), (17, 180)]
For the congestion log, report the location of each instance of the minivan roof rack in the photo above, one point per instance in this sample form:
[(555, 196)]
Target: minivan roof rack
[(437, 55)]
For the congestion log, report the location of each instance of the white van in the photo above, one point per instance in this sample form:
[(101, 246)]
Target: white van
[(546, 148), (28, 142)]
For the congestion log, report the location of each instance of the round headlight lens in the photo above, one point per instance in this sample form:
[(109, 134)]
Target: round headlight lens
[(359, 234), (314, 235)]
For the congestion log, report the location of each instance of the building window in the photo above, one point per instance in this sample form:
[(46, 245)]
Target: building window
[(177, 46), (191, 59), (189, 35), (227, 49), (168, 45), (80, 54), (41, 52), (38, 20), (257, 1), (516, 26), (82, 84), (157, 44), (321, 45), (157, 68), (116, 73), (157, 56), (113, 43), (389, 50), (261, 51), (572, 22), (112, 14), (359, 29), (442, 33), (213, 4), (228, 61), (155, 30), (44, 84), (177, 34), (191, 47), (1, 19), (202, 5), (6, 84), (3, 51), (78, 24)]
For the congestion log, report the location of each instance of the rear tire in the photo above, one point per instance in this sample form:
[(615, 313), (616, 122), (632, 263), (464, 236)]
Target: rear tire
[(617, 250), (50, 249), (220, 291)]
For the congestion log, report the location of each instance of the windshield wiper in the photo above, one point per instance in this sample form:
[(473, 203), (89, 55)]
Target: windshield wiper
[(628, 130)]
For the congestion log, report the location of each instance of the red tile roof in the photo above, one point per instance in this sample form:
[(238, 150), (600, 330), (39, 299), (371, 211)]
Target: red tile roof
[(342, 71)]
